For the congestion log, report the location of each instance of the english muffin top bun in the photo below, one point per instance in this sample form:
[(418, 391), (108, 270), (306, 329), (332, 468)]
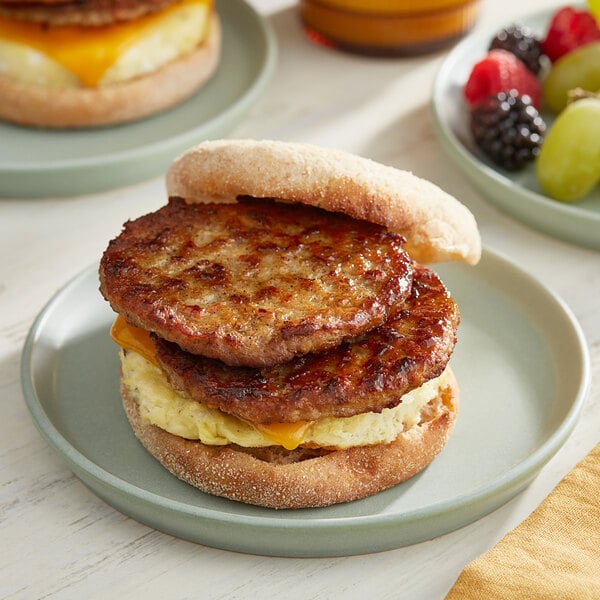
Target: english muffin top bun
[(90, 63), (282, 342), (437, 227)]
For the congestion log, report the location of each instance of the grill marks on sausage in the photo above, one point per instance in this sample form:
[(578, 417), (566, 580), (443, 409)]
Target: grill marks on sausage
[(254, 283), (368, 373)]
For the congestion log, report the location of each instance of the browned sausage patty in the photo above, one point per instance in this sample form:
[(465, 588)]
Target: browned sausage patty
[(80, 12), (257, 282), (366, 374)]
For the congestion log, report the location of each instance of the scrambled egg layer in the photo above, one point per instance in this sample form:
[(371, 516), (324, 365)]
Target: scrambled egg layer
[(178, 414), (77, 57)]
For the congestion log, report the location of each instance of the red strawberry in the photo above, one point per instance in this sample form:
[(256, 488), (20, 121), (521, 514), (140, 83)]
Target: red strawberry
[(569, 29), (501, 71)]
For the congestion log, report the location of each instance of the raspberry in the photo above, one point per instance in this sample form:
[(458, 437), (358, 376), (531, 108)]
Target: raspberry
[(522, 43), (569, 29), (508, 129), (501, 71)]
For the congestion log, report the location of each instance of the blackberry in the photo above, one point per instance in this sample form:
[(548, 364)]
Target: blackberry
[(522, 43), (509, 129)]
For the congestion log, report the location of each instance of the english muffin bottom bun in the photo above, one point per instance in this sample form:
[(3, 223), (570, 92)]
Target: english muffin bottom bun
[(274, 477), (281, 342), (102, 62)]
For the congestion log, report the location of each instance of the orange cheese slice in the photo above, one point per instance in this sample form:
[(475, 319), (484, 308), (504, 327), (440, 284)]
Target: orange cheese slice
[(133, 338), (87, 52), (288, 435)]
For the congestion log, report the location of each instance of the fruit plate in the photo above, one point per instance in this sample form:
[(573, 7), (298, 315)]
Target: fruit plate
[(518, 194), (523, 368), (38, 163)]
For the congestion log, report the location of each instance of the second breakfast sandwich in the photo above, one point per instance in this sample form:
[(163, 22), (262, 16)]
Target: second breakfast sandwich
[(283, 343), (87, 63)]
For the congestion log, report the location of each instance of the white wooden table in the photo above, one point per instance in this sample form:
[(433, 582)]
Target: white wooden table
[(58, 540)]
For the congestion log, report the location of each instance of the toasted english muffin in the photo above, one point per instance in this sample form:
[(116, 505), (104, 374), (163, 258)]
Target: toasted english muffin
[(437, 227)]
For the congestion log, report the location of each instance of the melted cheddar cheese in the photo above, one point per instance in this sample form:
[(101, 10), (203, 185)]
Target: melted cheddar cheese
[(288, 435), (101, 55), (135, 339), (180, 415)]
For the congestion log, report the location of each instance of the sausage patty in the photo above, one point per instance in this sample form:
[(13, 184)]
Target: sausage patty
[(80, 12), (257, 282), (368, 373)]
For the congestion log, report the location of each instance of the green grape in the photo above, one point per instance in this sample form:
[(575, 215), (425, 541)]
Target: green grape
[(568, 166), (579, 68)]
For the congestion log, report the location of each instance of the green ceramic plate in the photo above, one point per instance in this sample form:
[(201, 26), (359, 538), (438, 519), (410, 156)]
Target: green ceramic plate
[(37, 163), (517, 194), (523, 369)]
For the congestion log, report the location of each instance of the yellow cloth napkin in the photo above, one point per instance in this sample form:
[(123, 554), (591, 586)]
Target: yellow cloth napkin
[(553, 554)]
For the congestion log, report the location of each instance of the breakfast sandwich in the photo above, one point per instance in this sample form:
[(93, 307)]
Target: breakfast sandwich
[(282, 342), (84, 63)]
